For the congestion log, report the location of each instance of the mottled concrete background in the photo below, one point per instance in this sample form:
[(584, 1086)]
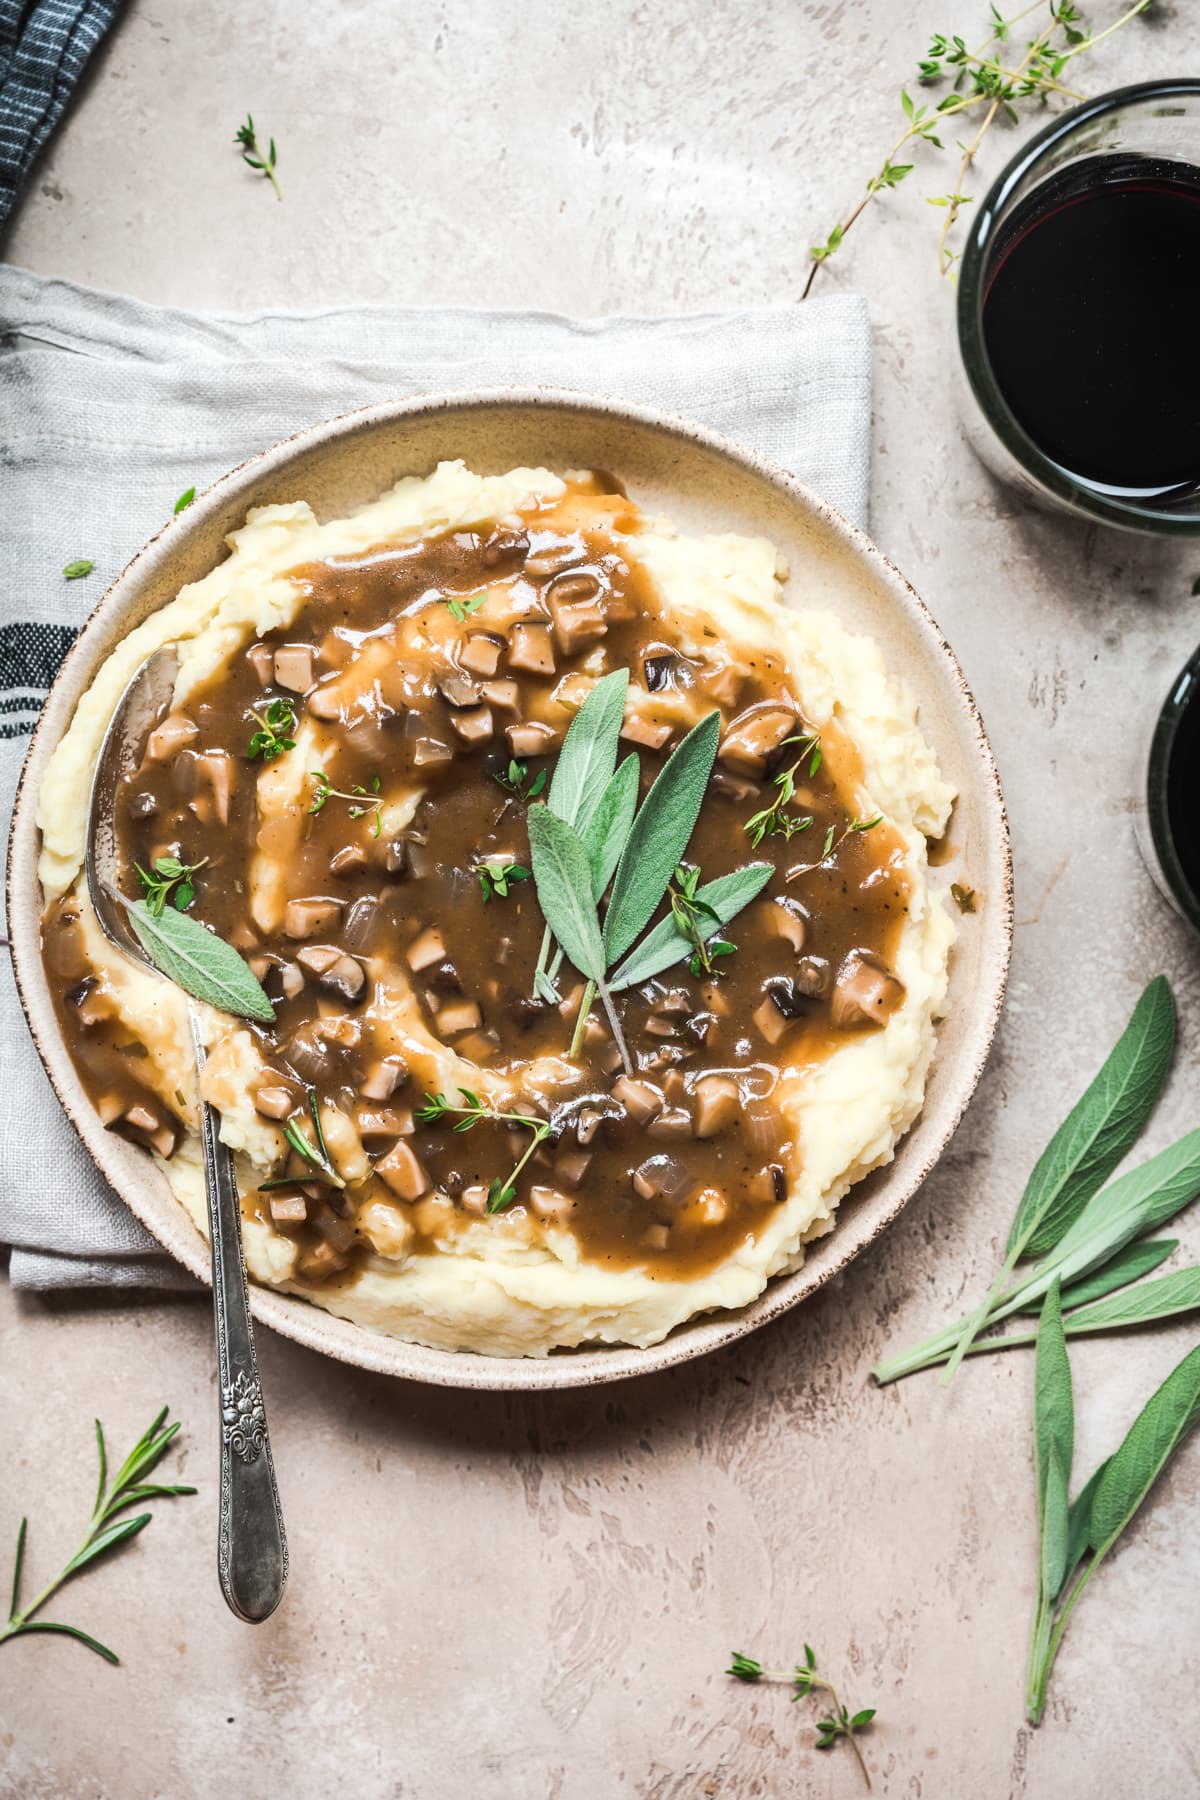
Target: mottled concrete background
[(500, 1596)]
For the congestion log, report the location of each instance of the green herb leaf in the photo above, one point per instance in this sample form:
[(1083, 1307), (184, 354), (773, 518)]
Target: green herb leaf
[(1152, 1440), (563, 877), (1128, 1265), (1079, 1526), (1053, 1433), (660, 836), (1100, 1128), (1135, 1203), (607, 831), (75, 571), (199, 962), (1162, 1299), (667, 944), (589, 753), (185, 500)]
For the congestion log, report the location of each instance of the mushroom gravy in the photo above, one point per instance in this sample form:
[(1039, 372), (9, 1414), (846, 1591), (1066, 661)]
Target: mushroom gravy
[(417, 677)]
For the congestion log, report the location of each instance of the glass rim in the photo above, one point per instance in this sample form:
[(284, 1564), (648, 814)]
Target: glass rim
[(1185, 691), (1106, 508)]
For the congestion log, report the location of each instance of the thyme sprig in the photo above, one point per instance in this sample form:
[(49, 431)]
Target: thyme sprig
[(462, 609), (498, 875), (983, 80), (273, 736), (773, 821), (517, 781), (106, 1530), (439, 1106), (698, 920), (834, 841), (171, 880), (253, 157), (317, 1155), (840, 1721), (364, 802)]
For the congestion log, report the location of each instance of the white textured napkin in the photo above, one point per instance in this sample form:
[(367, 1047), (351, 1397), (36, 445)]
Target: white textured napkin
[(109, 409)]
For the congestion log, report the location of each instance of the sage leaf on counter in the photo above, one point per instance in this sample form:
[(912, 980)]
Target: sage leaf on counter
[(660, 836), (1128, 1265), (1053, 1442), (667, 944), (199, 962)]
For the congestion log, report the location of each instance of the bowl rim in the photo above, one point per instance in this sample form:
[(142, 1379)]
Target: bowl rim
[(363, 1347)]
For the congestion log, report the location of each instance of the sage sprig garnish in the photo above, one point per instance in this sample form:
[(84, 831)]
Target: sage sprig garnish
[(1075, 1537), (804, 1678), (199, 962), (659, 836), (1168, 1298), (106, 1530), (1063, 1215)]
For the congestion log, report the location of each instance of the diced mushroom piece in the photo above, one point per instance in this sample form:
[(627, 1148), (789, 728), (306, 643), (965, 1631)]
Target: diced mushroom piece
[(426, 949), (92, 1002), (109, 1107), (653, 733), (761, 1129), (711, 1207), (288, 1209), (430, 752), (788, 996), (349, 860), (656, 1237), (552, 559), (662, 1175), (478, 1046), (294, 667), (657, 1026), (481, 652), (344, 1032), (345, 977), (321, 1262), (282, 981), (403, 1173), (570, 1166), (215, 771), (150, 1128), (459, 1016), (175, 733), (770, 1021), (813, 977), (674, 1122), (359, 922), (261, 658), (395, 856), (475, 726), (474, 1199), (458, 690), (661, 670), (505, 696), (768, 1187), (383, 1078), (503, 545), (787, 919), (314, 959), (334, 650), (733, 787), (383, 1125), (532, 738), (386, 1228), (530, 649), (641, 1099), (865, 992), (754, 736), (548, 1203), (724, 685), (718, 1103), (325, 703), (274, 1102), (309, 917), (577, 612)]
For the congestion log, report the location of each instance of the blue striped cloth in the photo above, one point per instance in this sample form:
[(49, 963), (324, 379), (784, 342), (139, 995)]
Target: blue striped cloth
[(44, 45)]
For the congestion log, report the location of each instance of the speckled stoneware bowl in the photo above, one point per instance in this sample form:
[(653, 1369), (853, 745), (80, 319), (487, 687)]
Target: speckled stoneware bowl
[(703, 483)]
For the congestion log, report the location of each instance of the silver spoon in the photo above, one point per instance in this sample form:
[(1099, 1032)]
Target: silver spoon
[(252, 1556)]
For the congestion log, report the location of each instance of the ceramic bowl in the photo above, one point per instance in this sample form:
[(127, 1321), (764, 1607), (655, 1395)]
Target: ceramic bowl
[(703, 483)]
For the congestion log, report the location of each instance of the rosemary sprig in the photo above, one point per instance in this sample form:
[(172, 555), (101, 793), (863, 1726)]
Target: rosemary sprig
[(253, 157), (475, 1112), (833, 843), (697, 920), (772, 821), (462, 609), (170, 879), (497, 876), (316, 1154), (982, 80), (364, 803), (518, 782), (273, 737), (839, 1723), (105, 1530)]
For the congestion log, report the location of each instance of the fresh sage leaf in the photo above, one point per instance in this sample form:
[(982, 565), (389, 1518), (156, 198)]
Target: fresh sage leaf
[(589, 754), (1128, 1265), (1135, 1203), (563, 877), (1079, 1526), (199, 962), (1151, 1441), (660, 836), (1055, 1528), (1162, 1299), (607, 830), (1100, 1128), (1053, 1405), (667, 944)]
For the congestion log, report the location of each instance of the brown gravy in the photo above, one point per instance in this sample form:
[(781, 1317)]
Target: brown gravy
[(403, 697)]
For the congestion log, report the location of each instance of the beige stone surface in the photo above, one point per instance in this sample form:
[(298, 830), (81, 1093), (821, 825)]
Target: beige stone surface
[(513, 1597)]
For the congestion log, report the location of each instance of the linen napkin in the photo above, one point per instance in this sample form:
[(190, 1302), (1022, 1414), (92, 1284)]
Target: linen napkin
[(110, 409), (43, 50)]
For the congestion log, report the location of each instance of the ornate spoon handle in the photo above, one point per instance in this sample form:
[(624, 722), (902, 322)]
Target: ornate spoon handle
[(252, 1556)]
